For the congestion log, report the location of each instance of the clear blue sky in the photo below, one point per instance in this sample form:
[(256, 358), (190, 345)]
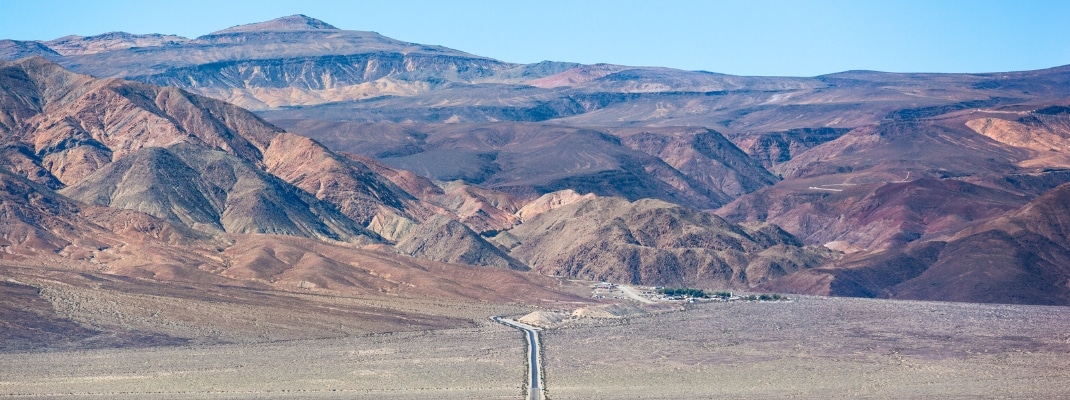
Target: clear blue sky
[(756, 37)]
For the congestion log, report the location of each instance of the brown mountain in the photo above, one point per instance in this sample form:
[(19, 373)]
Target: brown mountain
[(443, 239), (206, 165), (35, 218), (184, 206), (897, 181), (654, 242), (705, 157), (286, 61), (897, 169), (359, 192), (76, 124), (211, 191), (76, 275), (44, 234), (1022, 257), (874, 216), (774, 148), (302, 61), (40, 228), (11, 50), (480, 209), (1042, 132), (696, 167), (189, 160), (298, 22)]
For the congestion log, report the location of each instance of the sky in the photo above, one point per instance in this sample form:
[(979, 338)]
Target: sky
[(755, 37)]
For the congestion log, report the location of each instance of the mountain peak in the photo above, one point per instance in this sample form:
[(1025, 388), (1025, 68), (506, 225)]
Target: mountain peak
[(297, 22)]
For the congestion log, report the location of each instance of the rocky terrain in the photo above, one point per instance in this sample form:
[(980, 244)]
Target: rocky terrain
[(699, 168), (117, 189), (656, 243), (1020, 257), (259, 65), (384, 199), (856, 183)]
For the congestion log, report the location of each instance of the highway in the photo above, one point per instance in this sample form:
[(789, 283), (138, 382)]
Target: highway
[(531, 333)]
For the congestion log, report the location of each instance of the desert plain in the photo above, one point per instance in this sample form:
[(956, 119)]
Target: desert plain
[(806, 348)]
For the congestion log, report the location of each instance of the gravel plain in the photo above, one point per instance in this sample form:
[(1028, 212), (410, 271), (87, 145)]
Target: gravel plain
[(475, 363), (816, 348), (805, 349)]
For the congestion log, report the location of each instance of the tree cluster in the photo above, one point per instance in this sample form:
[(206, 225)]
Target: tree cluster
[(688, 292)]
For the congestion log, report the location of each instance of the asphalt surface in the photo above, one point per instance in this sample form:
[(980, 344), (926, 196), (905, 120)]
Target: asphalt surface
[(531, 333)]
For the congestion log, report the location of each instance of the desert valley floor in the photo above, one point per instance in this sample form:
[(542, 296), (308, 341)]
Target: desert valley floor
[(288, 209), (809, 348)]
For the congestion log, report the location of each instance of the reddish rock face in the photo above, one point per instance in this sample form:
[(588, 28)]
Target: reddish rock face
[(1020, 257), (876, 216)]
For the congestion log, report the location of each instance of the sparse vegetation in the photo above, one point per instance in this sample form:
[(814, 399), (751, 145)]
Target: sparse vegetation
[(870, 348), (722, 295), (402, 365), (939, 343), (684, 292), (764, 297)]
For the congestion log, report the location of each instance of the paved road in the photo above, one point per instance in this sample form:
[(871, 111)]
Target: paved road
[(531, 333)]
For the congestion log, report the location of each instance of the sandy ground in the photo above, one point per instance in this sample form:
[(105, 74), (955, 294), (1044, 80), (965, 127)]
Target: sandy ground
[(478, 363), (816, 348), (808, 349)]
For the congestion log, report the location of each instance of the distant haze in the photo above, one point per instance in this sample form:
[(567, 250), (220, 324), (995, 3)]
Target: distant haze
[(786, 38)]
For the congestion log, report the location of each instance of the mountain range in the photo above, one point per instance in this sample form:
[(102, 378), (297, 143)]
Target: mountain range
[(290, 154)]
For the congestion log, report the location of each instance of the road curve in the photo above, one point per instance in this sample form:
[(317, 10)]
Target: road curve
[(531, 333)]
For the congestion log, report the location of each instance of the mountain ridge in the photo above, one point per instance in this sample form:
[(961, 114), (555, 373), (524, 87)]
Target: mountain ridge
[(408, 145), (296, 22)]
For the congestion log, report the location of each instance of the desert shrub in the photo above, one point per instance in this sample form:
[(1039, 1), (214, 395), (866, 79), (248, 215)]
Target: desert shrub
[(764, 297)]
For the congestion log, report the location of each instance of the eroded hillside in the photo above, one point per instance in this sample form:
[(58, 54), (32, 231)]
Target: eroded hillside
[(415, 150)]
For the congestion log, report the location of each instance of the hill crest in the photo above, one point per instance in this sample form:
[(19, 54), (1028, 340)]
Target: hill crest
[(296, 22)]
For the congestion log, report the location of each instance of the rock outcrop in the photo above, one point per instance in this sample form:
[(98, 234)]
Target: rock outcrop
[(446, 240)]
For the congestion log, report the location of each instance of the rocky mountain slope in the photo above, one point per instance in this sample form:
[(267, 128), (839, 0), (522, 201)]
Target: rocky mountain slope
[(181, 209), (288, 61), (1042, 132), (898, 181), (443, 239), (428, 152), (189, 160), (75, 124), (655, 243), (211, 175), (696, 167), (213, 192), (1021, 257)]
